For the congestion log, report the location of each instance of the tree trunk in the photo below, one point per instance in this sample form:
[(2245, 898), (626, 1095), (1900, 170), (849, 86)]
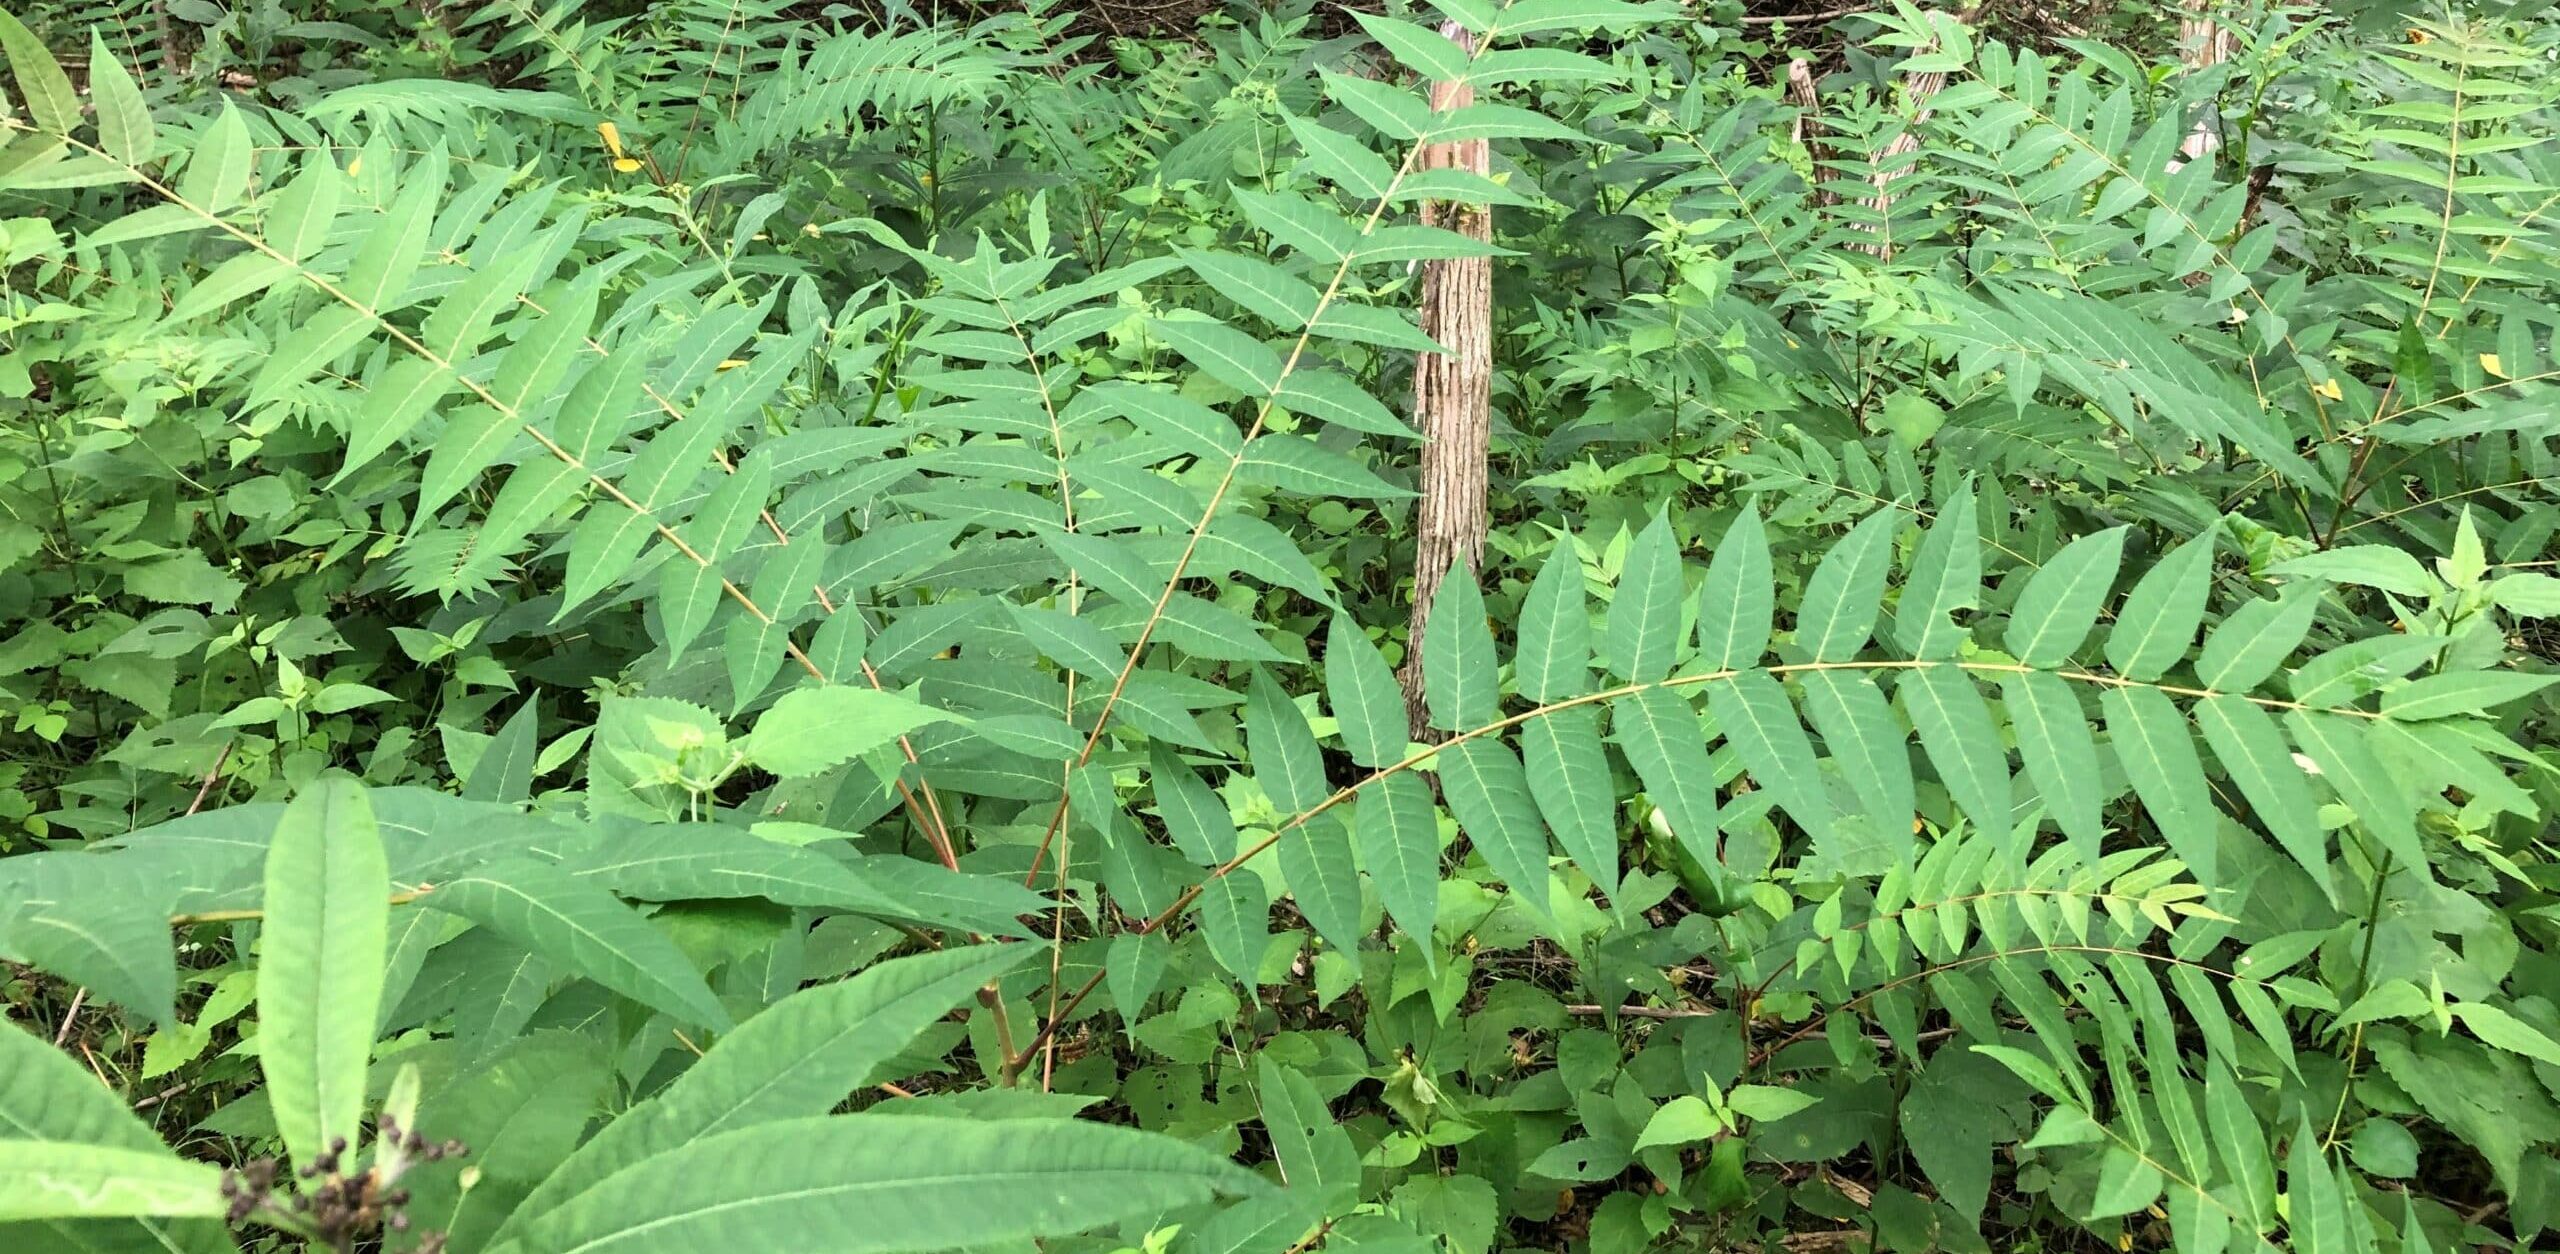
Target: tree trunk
[(1452, 391), (2202, 44)]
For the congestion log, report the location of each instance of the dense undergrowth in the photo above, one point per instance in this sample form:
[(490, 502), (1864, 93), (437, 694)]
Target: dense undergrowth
[(715, 626)]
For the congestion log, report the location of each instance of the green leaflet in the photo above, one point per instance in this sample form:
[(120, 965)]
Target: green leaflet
[(583, 928), (2251, 749), (327, 925), (1366, 701), (1399, 832), (2061, 601), (2241, 652), (855, 1176), (2151, 740), (2060, 755), (799, 1057), (1458, 682), (1193, 815), (1846, 591), (1554, 659), (812, 729), (1644, 619), (1224, 353), (1287, 762), (2158, 620), (1737, 603), (48, 1096), (1956, 730), (1315, 859), (1569, 776), (1945, 579), (1753, 712), (57, 1180), (1489, 792), (1662, 739), (1234, 913), (1859, 730), (1315, 1154), (2336, 744)]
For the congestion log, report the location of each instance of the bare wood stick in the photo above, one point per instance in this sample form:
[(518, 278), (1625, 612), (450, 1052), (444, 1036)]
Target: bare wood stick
[(1452, 391)]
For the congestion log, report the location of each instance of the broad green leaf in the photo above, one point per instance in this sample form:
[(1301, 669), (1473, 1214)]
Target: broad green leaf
[(393, 248), (2368, 565), (1315, 858), (1458, 681), (2127, 1182), (1489, 792), (1956, 730), (320, 970), (1570, 778), (2060, 756), (1162, 412), (2460, 692), (1664, 742), (2246, 647), (2316, 1208), (1739, 600), (1226, 354), (1554, 661), (1367, 704), (584, 929), (63, 1180), (1644, 618), (1072, 641), (124, 117), (1945, 579), (813, 729), (1529, 17), (857, 1179), (1753, 712), (2336, 743), (51, 100), (2158, 619), (1193, 815), (2150, 739), (1297, 464), (1859, 731), (1681, 1121), (48, 1096), (799, 1057), (1847, 589), (1286, 761), (1234, 914), (2253, 752), (1423, 50), (1314, 1152), (2240, 1144), (1399, 832), (2062, 599), (1343, 159), (505, 769), (1269, 292)]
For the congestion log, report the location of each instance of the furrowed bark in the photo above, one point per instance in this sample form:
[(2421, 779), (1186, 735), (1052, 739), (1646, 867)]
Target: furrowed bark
[(1452, 391)]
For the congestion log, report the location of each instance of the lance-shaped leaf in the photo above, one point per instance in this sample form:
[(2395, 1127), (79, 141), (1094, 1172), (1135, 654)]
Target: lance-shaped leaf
[(1570, 777), (2158, 619), (1286, 760), (1490, 795), (1644, 617), (858, 1179), (2060, 756), (48, 1096), (799, 1057), (2061, 601), (585, 929), (1315, 858), (1554, 661), (1753, 712), (1946, 578), (1399, 831), (54, 1180), (1458, 681), (320, 971), (1739, 600)]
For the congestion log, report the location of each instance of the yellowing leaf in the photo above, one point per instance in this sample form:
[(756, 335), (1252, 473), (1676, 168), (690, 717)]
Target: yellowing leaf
[(733, 363), (2330, 389), (625, 165), (2490, 363), (612, 138)]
